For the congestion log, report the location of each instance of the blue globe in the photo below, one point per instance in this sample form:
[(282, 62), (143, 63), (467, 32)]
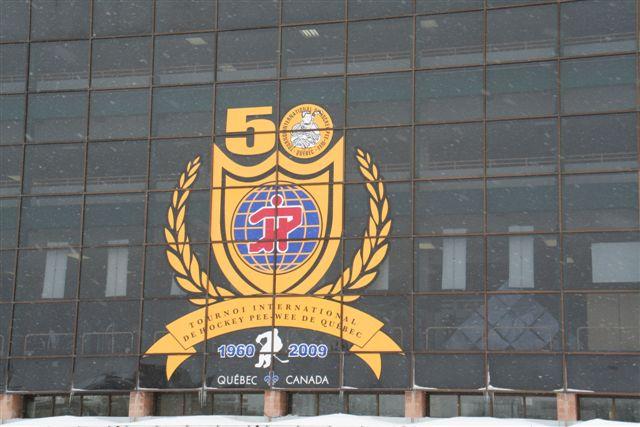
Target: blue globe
[(276, 227)]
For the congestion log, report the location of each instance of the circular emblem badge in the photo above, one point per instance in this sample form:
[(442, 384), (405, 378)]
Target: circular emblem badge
[(306, 131), (275, 227)]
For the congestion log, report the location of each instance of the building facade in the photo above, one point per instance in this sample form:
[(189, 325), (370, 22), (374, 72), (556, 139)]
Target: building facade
[(387, 207)]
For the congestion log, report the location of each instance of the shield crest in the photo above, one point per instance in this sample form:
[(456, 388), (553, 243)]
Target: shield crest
[(279, 218)]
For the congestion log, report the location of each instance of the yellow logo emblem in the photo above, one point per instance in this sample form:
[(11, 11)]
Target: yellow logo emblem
[(276, 225)]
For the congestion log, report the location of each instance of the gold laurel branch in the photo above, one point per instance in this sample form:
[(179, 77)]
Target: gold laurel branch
[(181, 258), (374, 244)]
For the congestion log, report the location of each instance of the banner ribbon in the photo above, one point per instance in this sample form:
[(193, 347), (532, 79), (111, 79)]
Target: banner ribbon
[(304, 312)]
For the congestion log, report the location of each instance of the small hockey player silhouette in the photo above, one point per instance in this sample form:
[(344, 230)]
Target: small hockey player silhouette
[(305, 133), (278, 221), (271, 343)]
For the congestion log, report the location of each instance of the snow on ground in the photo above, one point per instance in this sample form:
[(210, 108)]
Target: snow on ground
[(336, 420)]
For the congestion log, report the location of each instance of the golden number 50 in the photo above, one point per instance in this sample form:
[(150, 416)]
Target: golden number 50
[(238, 120)]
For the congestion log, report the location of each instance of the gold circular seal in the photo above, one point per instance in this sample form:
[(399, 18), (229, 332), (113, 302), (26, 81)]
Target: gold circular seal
[(306, 131)]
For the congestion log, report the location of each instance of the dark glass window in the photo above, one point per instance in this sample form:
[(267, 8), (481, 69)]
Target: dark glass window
[(542, 372), (50, 273), (524, 323), (378, 8), (7, 276), (244, 95), (502, 3), (9, 222), (451, 95), (117, 166), (603, 322), (120, 17), (14, 20), (59, 65), (5, 320), (521, 90), (10, 170), (313, 50), (11, 119), (325, 92), (390, 149), (616, 204), (596, 407), (54, 168), (357, 210), (50, 221), (541, 407), (449, 322), (182, 111), (108, 327), (13, 68), (451, 207), (428, 6), (522, 205), (247, 55), (185, 58), (443, 405), (43, 329), (449, 150), (170, 157), (598, 84), (382, 99), (596, 26), (523, 262), (197, 216), (303, 404), (57, 117), (602, 261), (119, 114), (61, 19), (445, 40), (247, 13), (40, 374), (384, 45), (505, 406), (114, 219), (362, 404), (312, 10), (448, 264), (111, 68), (111, 272), (179, 15), (603, 373), (518, 147), (160, 277), (450, 370), (522, 33), (473, 406), (606, 142)]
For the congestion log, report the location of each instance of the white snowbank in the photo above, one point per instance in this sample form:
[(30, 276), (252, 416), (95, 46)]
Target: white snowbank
[(335, 420)]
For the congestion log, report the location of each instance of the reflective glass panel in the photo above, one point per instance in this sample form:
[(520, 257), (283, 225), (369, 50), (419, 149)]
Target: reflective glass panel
[(10, 170), (117, 166), (598, 84), (541, 407), (616, 204), (451, 95), (247, 13), (597, 26), (380, 45), (451, 207), (43, 329), (445, 40), (114, 219), (378, 8), (313, 50), (449, 150), (603, 373), (542, 372), (244, 95), (606, 142), (474, 406), (14, 20), (169, 158), (9, 222), (182, 111), (363, 404), (247, 55), (521, 90), (111, 272), (522, 147), (13, 68), (379, 100), (390, 148), (312, 10), (325, 92), (428, 6), (449, 371), (50, 273), (522, 33), (59, 65), (185, 58), (50, 221), (11, 119), (119, 17), (603, 322), (54, 168), (108, 327), (179, 15), (61, 19), (119, 114), (40, 375), (57, 117), (7, 276), (111, 68), (505, 406)]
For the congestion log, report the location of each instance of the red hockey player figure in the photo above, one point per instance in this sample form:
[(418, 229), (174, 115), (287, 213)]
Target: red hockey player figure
[(278, 222)]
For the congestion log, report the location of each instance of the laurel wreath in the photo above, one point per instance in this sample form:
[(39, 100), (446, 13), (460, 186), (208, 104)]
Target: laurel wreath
[(182, 259), (361, 273)]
